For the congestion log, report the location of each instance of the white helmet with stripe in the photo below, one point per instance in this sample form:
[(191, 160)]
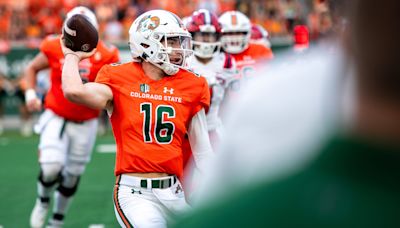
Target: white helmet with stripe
[(236, 31)]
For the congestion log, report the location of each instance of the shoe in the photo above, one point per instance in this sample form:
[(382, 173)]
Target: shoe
[(53, 223), (38, 215)]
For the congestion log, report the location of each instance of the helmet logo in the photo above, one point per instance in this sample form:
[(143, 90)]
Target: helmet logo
[(148, 23)]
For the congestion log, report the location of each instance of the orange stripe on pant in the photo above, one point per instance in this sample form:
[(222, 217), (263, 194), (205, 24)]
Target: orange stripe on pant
[(116, 203)]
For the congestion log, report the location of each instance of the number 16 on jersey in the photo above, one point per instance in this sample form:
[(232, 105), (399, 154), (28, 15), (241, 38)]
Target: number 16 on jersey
[(163, 129)]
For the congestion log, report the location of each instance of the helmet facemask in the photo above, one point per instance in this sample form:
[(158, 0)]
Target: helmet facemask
[(235, 42), (236, 28), (205, 44), (173, 53)]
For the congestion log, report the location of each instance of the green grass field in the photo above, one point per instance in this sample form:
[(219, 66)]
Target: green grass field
[(19, 170)]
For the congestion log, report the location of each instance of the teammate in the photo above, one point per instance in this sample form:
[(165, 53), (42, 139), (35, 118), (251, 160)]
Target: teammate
[(66, 129), (152, 101), (235, 40)]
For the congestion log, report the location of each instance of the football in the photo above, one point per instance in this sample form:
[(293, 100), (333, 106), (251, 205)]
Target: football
[(80, 34)]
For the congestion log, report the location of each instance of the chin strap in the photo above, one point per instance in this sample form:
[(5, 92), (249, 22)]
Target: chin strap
[(167, 68), (170, 70)]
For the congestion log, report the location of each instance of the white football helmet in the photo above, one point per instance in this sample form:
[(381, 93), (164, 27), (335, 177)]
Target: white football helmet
[(159, 37), (86, 12), (236, 28)]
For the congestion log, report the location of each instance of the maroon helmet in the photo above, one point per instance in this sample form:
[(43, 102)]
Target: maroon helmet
[(205, 30), (259, 35)]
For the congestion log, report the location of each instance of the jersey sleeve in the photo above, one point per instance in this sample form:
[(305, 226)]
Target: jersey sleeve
[(200, 142), (47, 46), (103, 76), (204, 98)]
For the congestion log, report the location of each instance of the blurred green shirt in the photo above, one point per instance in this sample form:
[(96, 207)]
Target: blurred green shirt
[(352, 183)]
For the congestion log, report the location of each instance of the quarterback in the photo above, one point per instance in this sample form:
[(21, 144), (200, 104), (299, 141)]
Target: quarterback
[(148, 132)]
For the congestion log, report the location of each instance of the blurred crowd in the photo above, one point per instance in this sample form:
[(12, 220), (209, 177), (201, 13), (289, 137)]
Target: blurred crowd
[(28, 21), (25, 23)]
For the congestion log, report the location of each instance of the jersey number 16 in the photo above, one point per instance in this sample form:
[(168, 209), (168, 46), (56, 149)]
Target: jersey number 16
[(163, 129)]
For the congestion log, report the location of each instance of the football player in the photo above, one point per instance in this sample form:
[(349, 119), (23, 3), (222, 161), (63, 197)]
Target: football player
[(153, 102), (218, 68), (235, 40), (66, 129)]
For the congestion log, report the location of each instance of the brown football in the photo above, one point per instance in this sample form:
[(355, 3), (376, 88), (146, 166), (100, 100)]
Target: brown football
[(80, 34)]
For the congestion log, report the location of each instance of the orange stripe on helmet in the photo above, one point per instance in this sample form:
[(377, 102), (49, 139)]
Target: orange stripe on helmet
[(234, 19)]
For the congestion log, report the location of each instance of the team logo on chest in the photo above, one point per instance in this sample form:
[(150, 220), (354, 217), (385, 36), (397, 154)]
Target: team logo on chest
[(155, 95), (144, 88)]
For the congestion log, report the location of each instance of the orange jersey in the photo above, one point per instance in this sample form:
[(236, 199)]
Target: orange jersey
[(150, 118), (88, 69), (254, 54)]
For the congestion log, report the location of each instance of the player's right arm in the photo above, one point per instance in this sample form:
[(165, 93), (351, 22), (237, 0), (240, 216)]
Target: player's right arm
[(40, 62), (92, 94)]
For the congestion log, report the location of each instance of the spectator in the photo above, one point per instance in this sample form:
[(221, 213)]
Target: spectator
[(274, 24), (211, 5), (49, 21), (292, 11), (130, 14), (113, 31), (5, 20)]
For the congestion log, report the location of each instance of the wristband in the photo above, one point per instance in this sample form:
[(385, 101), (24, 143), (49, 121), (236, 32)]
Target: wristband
[(30, 94)]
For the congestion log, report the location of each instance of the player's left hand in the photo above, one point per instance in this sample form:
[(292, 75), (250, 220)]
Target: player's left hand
[(80, 54)]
